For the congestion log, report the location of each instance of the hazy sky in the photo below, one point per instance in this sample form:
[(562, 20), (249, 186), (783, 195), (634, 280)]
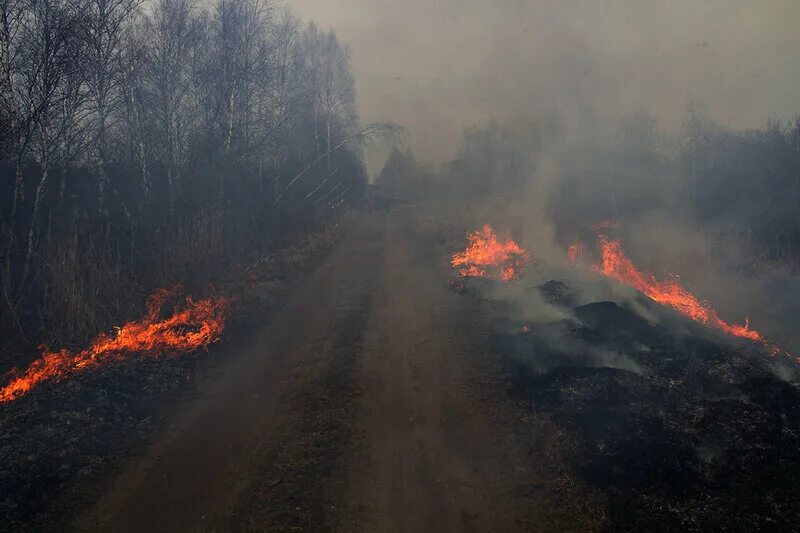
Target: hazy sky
[(436, 66)]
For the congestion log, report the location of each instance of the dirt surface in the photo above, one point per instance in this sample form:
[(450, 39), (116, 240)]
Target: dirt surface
[(366, 404), (375, 395)]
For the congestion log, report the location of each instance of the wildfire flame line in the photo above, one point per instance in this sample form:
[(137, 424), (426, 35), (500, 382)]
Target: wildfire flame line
[(198, 324), (486, 256), (615, 264), (574, 251), (668, 292)]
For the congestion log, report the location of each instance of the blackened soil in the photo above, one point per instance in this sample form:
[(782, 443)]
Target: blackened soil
[(680, 431)]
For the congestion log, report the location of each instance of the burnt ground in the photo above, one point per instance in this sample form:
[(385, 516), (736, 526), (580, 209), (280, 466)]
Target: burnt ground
[(365, 404), (376, 398), (60, 445), (690, 432)]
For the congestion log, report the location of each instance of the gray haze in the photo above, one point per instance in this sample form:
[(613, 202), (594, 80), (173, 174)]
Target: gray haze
[(438, 66)]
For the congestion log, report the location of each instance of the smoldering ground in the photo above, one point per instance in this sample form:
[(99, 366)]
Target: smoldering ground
[(580, 112), (660, 402), (678, 424), (638, 184), (542, 118)]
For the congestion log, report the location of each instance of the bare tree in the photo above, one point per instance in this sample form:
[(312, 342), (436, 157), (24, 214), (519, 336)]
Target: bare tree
[(105, 38), (134, 95), (52, 61), (205, 109), (331, 86), (172, 33), (14, 17)]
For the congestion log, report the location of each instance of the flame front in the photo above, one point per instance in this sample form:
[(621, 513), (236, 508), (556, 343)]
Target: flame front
[(198, 324), (486, 256), (575, 251), (669, 292)]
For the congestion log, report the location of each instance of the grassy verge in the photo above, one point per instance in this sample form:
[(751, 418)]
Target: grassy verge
[(60, 442)]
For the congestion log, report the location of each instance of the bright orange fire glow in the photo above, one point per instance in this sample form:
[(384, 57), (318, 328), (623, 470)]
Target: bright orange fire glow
[(198, 324), (574, 251), (668, 292), (486, 256)]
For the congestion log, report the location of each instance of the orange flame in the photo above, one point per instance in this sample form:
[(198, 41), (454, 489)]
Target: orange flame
[(486, 256), (669, 292), (574, 251), (197, 325)]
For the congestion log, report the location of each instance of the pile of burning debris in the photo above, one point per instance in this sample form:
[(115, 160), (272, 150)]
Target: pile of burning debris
[(683, 424)]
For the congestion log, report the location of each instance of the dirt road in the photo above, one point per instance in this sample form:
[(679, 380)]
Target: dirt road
[(364, 405)]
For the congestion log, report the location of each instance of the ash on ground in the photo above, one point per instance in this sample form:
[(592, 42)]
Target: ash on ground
[(680, 427)]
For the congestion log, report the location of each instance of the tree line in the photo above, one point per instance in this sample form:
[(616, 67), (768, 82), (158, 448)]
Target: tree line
[(737, 185), (143, 143)]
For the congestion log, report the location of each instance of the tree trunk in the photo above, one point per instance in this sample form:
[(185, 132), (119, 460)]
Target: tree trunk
[(37, 206), (173, 172), (62, 189), (141, 153), (328, 134), (171, 186), (146, 185), (261, 177), (19, 188), (102, 179), (102, 183), (229, 133)]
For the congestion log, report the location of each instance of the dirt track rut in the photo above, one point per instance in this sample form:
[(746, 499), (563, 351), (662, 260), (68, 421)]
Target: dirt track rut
[(353, 410)]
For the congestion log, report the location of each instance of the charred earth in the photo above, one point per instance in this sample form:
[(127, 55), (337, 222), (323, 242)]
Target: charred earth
[(679, 428)]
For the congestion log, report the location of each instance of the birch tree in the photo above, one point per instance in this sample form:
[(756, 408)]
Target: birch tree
[(105, 40), (172, 33)]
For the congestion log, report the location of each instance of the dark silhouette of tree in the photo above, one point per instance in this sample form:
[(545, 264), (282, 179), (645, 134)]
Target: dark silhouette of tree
[(179, 134)]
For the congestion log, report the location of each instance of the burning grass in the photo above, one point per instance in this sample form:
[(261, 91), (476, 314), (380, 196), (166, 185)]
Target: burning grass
[(684, 411), (487, 256), (62, 444), (615, 264), (192, 326), (575, 251), (670, 293)]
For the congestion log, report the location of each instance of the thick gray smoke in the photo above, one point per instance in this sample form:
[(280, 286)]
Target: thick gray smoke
[(438, 67), (590, 100)]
